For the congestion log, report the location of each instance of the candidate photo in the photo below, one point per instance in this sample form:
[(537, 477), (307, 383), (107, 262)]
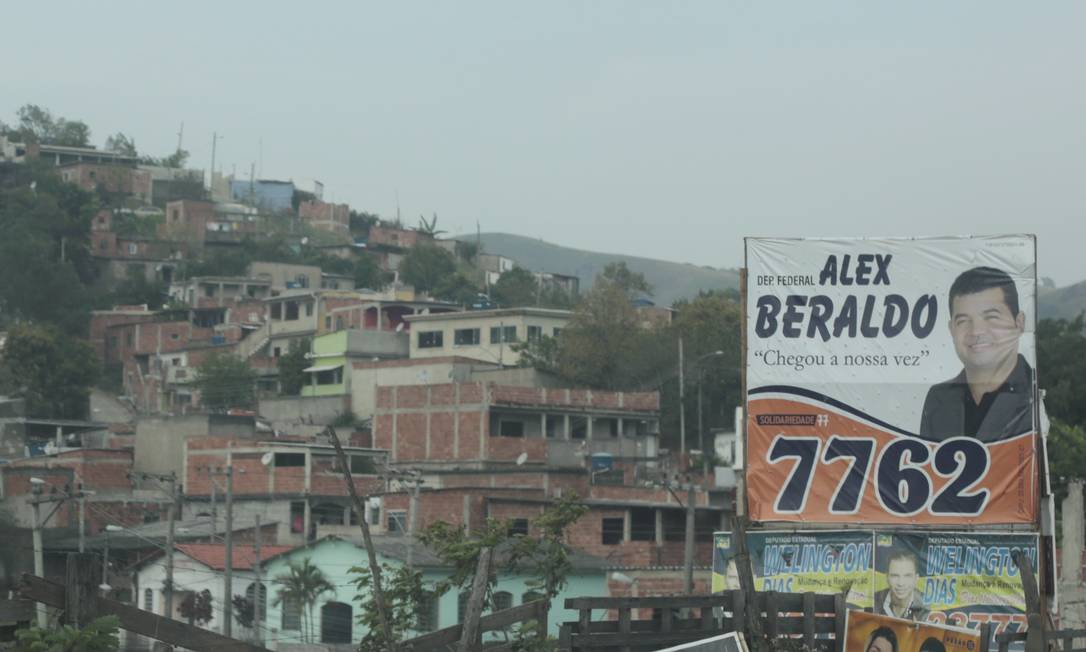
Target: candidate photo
[(901, 599), (992, 397)]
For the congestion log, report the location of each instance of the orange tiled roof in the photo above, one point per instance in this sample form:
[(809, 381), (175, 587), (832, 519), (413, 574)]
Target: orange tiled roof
[(213, 555)]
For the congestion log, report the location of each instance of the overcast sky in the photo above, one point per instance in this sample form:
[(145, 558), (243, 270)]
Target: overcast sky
[(667, 130)]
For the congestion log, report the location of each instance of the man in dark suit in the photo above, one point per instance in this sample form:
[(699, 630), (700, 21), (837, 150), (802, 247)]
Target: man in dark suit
[(992, 398), (900, 598)]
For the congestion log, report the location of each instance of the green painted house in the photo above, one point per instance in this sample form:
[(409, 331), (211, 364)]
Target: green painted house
[(331, 355), (334, 615)]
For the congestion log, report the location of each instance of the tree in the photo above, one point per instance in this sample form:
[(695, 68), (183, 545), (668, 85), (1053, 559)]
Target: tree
[(630, 282), (405, 596), (121, 144), (429, 228), (1061, 367), (457, 288), (37, 124), (291, 366), (426, 266), (303, 584), (51, 370), (368, 274), (225, 381), (197, 607), (99, 635), (516, 288)]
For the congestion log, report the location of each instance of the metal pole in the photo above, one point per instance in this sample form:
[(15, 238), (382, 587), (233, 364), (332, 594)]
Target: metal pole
[(169, 547), (412, 515), (688, 544), (258, 601), (228, 573), (82, 521), (211, 179), (682, 404), (39, 556), (105, 563), (701, 427)]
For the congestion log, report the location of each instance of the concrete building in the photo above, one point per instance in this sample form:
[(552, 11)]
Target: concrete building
[(286, 276), (486, 335), (265, 194), (117, 179), (335, 218), (220, 291), (161, 442), (332, 353)]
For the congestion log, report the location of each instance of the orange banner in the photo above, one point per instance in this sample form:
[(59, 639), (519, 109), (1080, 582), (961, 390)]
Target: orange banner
[(812, 461)]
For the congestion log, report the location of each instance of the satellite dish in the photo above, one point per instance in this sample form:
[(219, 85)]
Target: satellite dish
[(305, 240), (266, 458), (521, 459), (399, 327)]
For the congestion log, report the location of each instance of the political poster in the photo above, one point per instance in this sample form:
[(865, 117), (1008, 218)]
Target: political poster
[(827, 562), (891, 381), (963, 579), (866, 632)]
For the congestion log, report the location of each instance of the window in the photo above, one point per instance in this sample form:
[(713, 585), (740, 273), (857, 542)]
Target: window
[(674, 524), (510, 428), (292, 311), (535, 333), (148, 600), (276, 352), (555, 426), (431, 339), (133, 248), (308, 308), (557, 331), (612, 531), (518, 526), (578, 427), (375, 514), (397, 522), (292, 614), (289, 459), (642, 524), (174, 215), (259, 604), (175, 336), (276, 311), (330, 376), (209, 290), (499, 334), (363, 465), (466, 337), (328, 322), (426, 618), (297, 517), (503, 600)]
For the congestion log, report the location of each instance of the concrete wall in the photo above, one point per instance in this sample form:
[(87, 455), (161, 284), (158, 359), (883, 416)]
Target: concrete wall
[(285, 412), (160, 441), (365, 377)]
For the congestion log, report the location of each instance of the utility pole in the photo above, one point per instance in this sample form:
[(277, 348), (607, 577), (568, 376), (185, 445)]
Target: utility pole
[(82, 520), (39, 553), (688, 543), (175, 500), (682, 403), (412, 517), (211, 178), (228, 572), (259, 593)]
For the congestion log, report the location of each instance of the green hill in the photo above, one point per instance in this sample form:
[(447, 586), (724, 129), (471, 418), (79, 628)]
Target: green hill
[(670, 281), (1067, 302)]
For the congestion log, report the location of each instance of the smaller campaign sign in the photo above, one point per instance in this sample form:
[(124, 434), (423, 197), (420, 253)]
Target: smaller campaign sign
[(824, 561), (866, 632), (964, 579), (730, 642)]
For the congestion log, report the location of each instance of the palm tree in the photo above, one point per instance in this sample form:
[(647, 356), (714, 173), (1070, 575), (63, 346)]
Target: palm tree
[(429, 227), (304, 584)]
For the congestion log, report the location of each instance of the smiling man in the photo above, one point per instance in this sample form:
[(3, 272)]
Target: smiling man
[(992, 398), (901, 599)]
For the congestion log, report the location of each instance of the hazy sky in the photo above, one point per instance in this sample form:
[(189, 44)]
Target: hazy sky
[(659, 129)]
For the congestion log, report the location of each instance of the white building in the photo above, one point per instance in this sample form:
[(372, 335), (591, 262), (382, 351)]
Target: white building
[(485, 335)]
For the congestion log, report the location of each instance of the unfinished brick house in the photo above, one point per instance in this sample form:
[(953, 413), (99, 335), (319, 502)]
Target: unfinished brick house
[(493, 451)]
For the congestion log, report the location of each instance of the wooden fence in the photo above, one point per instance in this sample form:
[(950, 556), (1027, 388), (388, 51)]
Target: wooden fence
[(442, 639), (816, 621)]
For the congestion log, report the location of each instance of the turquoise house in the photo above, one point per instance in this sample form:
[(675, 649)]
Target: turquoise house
[(334, 616)]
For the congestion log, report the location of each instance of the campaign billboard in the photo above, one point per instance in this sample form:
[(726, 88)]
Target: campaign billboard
[(891, 381), (865, 632), (827, 562), (963, 579)]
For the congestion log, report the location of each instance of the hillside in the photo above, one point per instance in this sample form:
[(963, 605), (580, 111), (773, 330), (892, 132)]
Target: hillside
[(670, 281), (1067, 302)]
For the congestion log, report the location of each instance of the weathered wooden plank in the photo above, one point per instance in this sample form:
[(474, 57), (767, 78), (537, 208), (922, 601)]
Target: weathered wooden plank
[(840, 610), (772, 615), (808, 620), (498, 620), (138, 621)]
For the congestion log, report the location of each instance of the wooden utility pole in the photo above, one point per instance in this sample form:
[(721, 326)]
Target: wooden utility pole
[(375, 568), (175, 500), (469, 635), (39, 552)]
